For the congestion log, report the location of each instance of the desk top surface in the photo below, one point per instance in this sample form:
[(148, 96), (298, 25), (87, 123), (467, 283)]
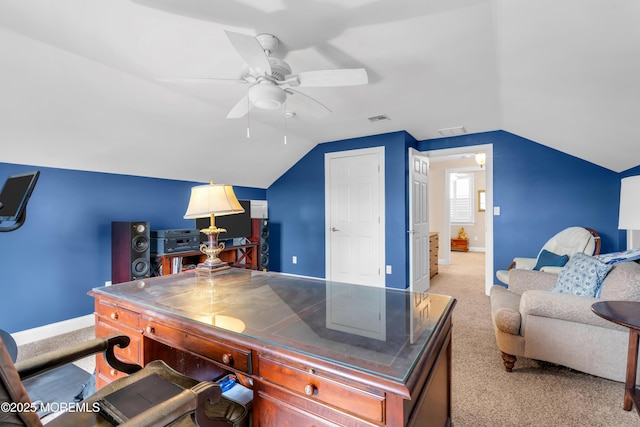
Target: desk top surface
[(379, 330)]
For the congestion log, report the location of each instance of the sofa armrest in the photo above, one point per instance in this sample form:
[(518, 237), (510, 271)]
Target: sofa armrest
[(525, 263), (504, 310), (571, 308), (525, 280)]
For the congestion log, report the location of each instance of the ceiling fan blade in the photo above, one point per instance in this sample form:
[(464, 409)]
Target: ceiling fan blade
[(330, 78), (308, 104), (199, 80), (249, 48), (240, 109)]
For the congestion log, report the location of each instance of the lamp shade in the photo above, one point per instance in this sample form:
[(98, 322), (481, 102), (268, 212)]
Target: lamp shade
[(216, 199), (630, 203)]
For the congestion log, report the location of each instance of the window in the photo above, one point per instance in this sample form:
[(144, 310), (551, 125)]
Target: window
[(461, 193)]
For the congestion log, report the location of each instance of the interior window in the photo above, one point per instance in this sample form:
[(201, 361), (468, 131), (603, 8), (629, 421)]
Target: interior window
[(461, 198)]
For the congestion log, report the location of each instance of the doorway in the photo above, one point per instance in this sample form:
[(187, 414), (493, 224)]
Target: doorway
[(443, 204)]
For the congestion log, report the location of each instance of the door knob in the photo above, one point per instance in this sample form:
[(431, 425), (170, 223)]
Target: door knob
[(334, 229)]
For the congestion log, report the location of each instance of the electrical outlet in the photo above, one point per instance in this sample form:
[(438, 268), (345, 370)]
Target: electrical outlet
[(388, 269), (294, 259), (107, 283)]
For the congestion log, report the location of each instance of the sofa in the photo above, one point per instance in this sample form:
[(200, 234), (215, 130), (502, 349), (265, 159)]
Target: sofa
[(532, 319)]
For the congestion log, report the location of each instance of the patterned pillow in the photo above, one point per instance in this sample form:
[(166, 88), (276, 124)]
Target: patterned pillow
[(583, 275)]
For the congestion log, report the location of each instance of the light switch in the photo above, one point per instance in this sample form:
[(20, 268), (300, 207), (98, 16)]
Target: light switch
[(496, 210)]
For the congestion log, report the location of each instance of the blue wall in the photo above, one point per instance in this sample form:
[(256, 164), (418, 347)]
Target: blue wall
[(296, 209), (540, 191), (64, 248)]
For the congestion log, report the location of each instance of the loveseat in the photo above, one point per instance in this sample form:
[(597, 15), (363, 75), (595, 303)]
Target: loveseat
[(530, 320)]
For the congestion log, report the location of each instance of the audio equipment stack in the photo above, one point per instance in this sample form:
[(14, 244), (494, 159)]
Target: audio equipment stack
[(174, 241)]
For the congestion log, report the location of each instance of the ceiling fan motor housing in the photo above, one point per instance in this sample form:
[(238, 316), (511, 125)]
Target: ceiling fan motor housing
[(267, 96)]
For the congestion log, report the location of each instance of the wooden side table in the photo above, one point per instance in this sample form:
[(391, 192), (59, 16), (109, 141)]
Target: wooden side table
[(625, 313)]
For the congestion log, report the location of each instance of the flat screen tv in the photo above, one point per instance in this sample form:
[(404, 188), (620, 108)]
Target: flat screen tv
[(15, 195), (238, 225)]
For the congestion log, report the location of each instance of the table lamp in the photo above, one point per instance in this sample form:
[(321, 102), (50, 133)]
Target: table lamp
[(210, 201), (630, 207)]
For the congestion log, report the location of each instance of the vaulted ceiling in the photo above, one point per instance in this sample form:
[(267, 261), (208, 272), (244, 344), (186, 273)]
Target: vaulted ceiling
[(79, 84)]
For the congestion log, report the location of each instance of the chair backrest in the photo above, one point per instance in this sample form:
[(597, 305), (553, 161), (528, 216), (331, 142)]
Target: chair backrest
[(572, 240), (13, 392)]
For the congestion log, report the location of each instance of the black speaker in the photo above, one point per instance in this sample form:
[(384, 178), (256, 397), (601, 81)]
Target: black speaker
[(264, 244), (130, 251)]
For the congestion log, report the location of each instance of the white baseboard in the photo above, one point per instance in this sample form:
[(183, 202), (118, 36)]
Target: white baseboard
[(53, 329)]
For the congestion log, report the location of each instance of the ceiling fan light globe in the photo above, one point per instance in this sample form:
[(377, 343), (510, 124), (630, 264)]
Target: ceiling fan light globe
[(267, 97)]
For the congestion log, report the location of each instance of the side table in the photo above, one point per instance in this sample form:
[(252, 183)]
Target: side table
[(625, 313)]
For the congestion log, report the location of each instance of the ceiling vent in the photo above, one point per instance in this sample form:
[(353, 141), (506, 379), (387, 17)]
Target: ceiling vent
[(454, 131), (379, 118)]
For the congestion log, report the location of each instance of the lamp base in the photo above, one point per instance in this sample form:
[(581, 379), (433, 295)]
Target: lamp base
[(211, 267)]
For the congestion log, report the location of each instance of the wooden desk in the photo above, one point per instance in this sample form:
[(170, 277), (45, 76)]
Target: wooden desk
[(625, 313), (314, 352)]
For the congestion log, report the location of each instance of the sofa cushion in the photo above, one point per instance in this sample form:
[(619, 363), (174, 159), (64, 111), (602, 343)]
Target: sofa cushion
[(582, 276), (622, 283), (549, 259)]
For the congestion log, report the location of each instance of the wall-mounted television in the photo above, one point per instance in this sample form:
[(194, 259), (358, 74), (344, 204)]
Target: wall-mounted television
[(15, 195), (237, 226)]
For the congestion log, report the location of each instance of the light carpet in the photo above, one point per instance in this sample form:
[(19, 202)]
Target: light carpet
[(535, 393)]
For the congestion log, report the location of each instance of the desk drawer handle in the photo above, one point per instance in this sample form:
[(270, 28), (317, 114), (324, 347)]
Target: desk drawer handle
[(151, 329), (310, 389), (227, 359), (114, 315)]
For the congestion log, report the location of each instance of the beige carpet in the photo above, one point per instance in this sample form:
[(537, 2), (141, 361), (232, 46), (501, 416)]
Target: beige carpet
[(535, 393)]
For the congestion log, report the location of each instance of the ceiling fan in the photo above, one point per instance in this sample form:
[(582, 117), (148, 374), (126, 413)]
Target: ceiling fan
[(271, 80)]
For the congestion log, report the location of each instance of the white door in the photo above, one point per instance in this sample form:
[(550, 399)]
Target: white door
[(354, 186), (418, 222)]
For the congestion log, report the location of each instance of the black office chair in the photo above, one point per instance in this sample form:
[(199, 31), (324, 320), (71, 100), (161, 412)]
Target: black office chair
[(169, 397)]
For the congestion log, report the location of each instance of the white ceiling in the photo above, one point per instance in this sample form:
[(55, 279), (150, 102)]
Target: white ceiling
[(78, 86)]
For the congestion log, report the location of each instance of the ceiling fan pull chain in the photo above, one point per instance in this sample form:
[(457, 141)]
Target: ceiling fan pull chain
[(285, 122), (248, 113)]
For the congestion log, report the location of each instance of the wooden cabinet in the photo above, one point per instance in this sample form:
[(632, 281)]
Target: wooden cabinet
[(433, 253), (241, 256), (460, 245), (302, 372)]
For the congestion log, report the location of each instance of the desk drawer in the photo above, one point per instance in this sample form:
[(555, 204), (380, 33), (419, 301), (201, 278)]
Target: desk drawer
[(343, 397), (130, 353), (229, 355), (118, 314)]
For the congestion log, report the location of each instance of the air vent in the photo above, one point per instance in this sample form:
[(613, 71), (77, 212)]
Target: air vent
[(379, 118), (454, 131)]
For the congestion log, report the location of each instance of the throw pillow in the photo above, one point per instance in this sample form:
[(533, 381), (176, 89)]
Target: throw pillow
[(583, 275), (549, 259)]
